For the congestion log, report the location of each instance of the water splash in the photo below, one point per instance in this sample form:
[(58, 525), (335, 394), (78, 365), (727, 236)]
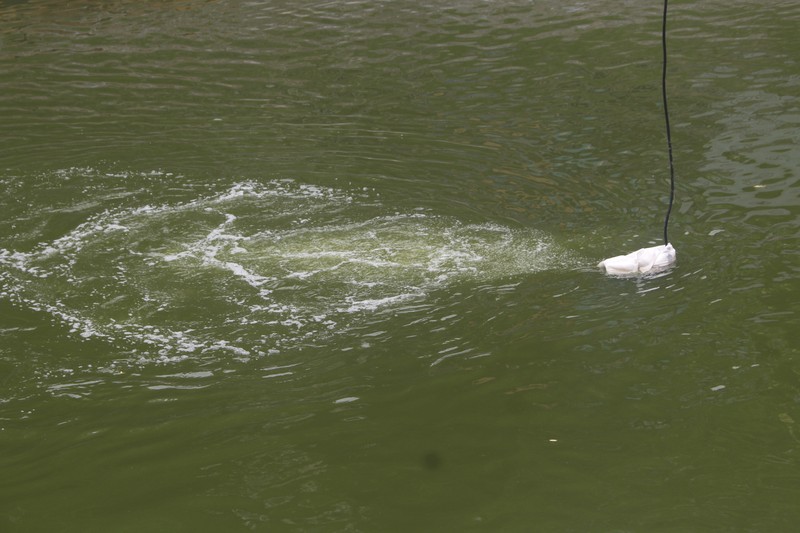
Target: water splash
[(255, 269)]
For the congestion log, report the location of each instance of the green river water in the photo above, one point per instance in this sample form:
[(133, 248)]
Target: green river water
[(330, 266)]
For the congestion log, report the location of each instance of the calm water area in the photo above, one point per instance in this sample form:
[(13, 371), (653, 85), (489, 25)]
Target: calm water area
[(331, 266)]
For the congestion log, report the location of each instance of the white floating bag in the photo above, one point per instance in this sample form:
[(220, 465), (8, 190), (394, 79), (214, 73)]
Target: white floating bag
[(644, 260)]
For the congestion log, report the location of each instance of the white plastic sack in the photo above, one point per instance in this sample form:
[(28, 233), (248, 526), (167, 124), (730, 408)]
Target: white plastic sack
[(640, 261)]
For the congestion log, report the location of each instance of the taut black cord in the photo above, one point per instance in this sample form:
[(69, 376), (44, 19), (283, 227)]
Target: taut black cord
[(666, 121)]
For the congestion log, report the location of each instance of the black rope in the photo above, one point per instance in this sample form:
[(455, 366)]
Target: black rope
[(666, 121)]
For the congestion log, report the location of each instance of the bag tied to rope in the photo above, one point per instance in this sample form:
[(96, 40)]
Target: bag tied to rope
[(656, 257), (641, 261)]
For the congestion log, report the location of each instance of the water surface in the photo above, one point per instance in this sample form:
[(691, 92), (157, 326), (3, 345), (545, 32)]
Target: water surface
[(331, 267)]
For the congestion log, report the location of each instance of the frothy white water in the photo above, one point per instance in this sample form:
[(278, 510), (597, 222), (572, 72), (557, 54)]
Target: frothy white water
[(255, 269)]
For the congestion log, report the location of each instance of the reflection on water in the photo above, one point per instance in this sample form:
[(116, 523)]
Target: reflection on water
[(757, 153)]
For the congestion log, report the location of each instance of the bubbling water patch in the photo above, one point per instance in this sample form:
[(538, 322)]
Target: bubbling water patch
[(256, 269)]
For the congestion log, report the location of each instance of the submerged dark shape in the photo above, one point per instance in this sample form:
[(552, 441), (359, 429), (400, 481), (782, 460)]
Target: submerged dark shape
[(432, 460)]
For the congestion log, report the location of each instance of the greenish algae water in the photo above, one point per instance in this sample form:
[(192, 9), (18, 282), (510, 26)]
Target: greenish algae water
[(330, 266)]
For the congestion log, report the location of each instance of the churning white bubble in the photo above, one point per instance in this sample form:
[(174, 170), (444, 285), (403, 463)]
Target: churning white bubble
[(257, 268)]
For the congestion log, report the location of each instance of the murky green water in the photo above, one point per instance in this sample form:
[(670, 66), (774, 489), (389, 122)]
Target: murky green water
[(287, 266)]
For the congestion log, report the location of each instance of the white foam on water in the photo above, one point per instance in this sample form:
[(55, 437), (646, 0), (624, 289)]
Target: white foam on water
[(255, 269), (374, 303)]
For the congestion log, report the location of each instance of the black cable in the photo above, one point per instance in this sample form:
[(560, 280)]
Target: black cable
[(666, 120)]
